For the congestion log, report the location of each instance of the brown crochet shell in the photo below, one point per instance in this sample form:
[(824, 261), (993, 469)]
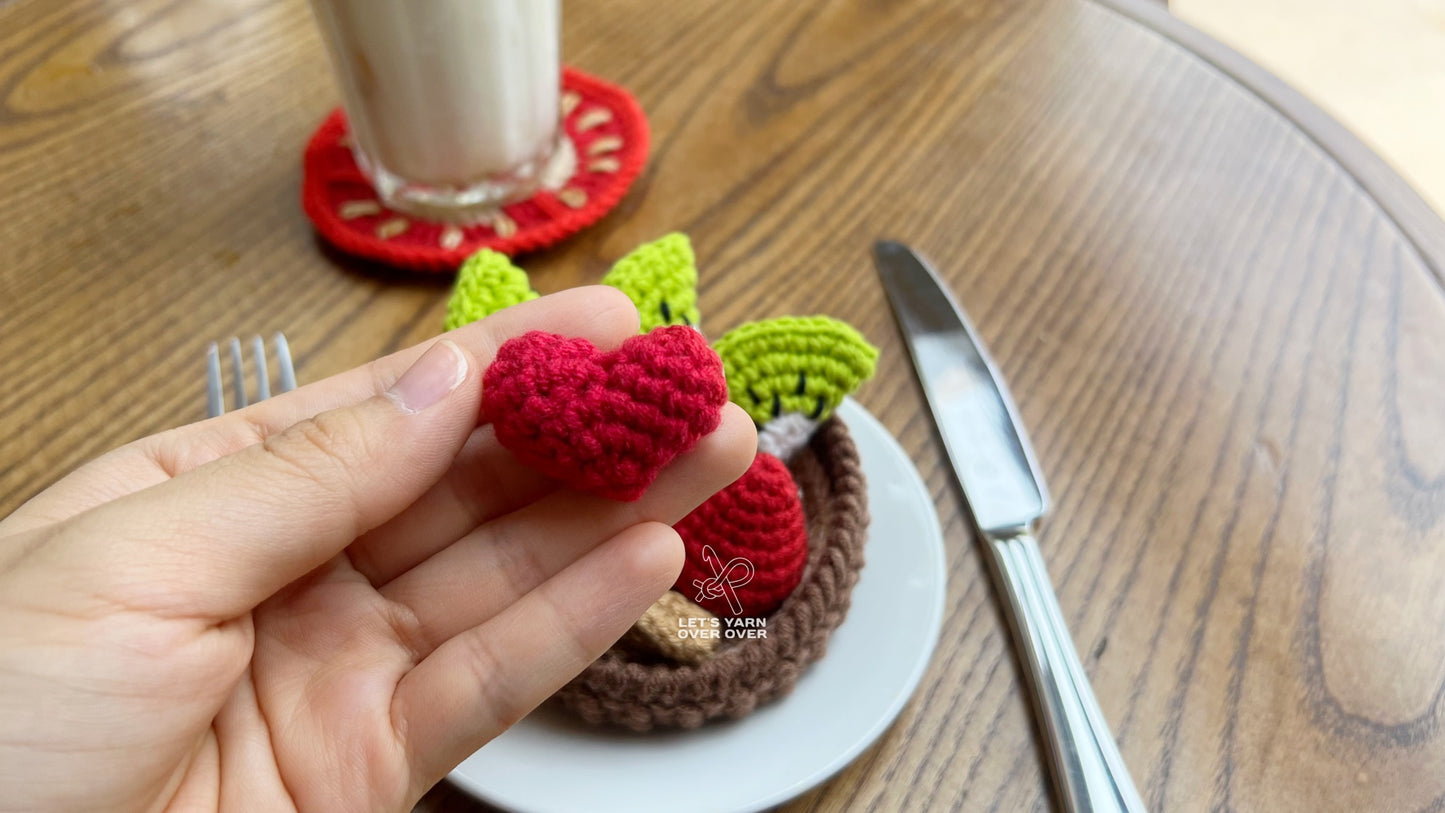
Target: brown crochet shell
[(618, 690)]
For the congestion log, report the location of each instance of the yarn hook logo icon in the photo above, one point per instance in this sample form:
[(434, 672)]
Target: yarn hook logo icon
[(725, 579)]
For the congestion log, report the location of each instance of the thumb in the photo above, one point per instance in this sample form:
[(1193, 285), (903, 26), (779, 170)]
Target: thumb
[(218, 540)]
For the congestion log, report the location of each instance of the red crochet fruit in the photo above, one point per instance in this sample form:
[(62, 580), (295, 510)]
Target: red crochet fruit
[(604, 423), (754, 526)]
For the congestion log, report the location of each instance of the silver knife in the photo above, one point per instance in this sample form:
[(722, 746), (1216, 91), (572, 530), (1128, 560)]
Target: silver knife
[(991, 456)]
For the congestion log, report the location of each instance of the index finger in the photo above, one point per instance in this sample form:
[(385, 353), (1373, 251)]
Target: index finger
[(598, 313), (602, 315)]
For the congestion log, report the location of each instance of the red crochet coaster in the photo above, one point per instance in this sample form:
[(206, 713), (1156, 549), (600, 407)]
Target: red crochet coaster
[(608, 135)]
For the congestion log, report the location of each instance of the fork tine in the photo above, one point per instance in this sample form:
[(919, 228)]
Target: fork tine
[(237, 376), (215, 401), (263, 379), (283, 360)]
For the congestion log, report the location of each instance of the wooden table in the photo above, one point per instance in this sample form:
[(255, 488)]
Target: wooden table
[(1223, 320)]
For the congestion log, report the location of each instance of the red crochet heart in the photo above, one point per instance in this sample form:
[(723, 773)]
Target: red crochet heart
[(749, 540), (604, 423)]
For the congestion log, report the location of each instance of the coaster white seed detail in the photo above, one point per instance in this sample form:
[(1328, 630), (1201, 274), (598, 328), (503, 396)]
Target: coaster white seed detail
[(392, 228), (573, 197), (569, 102), (593, 117), (503, 225), (352, 209), (451, 237), (605, 144)]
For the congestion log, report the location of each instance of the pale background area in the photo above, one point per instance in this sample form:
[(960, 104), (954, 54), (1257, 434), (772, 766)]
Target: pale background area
[(1378, 66)]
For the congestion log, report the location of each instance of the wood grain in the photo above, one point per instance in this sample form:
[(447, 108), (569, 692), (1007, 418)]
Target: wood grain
[(1223, 332)]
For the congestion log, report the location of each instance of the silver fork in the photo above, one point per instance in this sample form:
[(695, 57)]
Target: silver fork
[(215, 392)]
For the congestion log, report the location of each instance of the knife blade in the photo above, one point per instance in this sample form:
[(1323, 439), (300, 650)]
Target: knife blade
[(995, 465), (975, 414)]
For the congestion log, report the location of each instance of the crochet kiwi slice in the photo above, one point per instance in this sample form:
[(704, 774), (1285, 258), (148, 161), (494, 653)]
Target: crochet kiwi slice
[(486, 283), (661, 280), (794, 364)]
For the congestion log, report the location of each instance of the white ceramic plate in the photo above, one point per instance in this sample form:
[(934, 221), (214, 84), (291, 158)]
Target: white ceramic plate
[(550, 762)]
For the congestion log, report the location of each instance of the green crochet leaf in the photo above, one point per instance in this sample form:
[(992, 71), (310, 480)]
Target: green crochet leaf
[(802, 364), (661, 280), (486, 283)]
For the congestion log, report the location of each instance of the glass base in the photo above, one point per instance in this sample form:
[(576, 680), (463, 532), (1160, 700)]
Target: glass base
[(472, 203)]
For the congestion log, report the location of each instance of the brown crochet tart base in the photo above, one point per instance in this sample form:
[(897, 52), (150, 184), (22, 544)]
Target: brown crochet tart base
[(617, 690)]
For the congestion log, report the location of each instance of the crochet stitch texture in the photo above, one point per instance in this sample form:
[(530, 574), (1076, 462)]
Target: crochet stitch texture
[(674, 628), (758, 519), (661, 280), (604, 423), (486, 283), (803, 364), (620, 691)]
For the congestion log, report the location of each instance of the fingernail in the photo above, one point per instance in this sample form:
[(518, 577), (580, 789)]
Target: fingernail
[(439, 370)]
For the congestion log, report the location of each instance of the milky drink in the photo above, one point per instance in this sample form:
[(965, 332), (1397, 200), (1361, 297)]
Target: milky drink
[(452, 103)]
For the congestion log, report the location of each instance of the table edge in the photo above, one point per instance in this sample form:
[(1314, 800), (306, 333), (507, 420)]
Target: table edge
[(1416, 220)]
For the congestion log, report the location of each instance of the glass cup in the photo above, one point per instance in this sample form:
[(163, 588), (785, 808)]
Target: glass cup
[(453, 104)]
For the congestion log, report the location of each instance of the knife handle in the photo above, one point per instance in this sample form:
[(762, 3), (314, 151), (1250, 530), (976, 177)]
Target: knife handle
[(1087, 768)]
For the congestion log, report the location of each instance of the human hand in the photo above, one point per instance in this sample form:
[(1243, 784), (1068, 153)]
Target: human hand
[(326, 600)]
